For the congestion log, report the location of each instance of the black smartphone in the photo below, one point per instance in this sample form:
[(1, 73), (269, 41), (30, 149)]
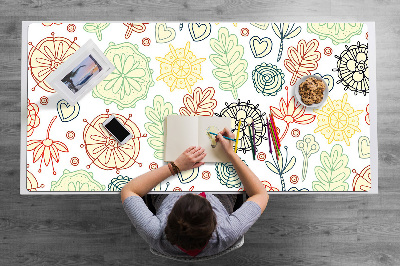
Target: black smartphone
[(117, 129)]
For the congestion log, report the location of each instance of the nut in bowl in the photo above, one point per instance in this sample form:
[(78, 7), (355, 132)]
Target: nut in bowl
[(311, 91)]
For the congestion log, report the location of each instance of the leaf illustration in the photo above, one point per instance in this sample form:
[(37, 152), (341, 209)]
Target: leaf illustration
[(290, 165), (231, 67), (334, 172), (284, 32), (155, 128), (201, 103), (303, 60), (272, 167)]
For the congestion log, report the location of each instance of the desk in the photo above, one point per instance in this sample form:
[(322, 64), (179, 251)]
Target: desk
[(240, 70)]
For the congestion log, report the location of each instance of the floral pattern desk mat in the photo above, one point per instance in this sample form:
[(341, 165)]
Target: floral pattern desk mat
[(238, 70)]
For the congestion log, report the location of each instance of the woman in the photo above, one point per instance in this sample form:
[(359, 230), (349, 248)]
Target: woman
[(187, 224)]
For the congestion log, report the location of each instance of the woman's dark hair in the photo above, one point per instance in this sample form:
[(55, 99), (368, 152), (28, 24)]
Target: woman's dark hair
[(191, 222)]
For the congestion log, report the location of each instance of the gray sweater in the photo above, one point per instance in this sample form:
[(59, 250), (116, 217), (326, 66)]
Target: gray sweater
[(229, 227)]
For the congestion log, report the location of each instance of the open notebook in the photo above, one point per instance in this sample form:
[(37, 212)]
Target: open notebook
[(185, 131)]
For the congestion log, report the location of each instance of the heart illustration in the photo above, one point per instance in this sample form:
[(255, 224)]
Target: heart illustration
[(262, 26), (163, 33), (66, 112), (260, 47), (364, 148), (199, 31), (188, 175)]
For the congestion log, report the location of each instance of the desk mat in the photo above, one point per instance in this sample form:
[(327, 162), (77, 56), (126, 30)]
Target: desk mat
[(239, 70)]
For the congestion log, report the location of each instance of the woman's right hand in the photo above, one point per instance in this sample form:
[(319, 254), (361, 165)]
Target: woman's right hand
[(226, 144)]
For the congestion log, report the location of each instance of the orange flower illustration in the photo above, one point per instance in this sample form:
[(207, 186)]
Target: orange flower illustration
[(291, 112), (47, 149), (47, 56)]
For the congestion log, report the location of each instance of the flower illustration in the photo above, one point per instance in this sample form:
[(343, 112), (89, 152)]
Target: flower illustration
[(291, 111), (247, 113), (352, 67), (131, 79), (102, 148), (47, 56), (180, 68), (96, 28), (337, 32), (33, 118), (337, 120), (47, 149), (134, 27)]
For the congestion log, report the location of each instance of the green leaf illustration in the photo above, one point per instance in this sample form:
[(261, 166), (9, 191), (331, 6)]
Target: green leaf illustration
[(334, 172), (231, 67), (155, 128)]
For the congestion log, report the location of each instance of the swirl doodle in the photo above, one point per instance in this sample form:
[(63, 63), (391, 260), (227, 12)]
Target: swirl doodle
[(268, 79), (206, 175), (227, 175), (117, 183), (153, 166)]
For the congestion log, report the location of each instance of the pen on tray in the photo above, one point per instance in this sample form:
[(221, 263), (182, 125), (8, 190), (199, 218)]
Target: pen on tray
[(269, 137), (237, 136), (251, 141), (254, 141), (212, 133)]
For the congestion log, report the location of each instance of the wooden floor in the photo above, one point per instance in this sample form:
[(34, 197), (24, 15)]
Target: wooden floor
[(294, 230)]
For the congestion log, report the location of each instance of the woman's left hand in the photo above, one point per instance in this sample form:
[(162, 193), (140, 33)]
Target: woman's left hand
[(190, 158)]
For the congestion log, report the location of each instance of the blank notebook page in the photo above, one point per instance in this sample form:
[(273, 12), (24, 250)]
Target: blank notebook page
[(181, 133)]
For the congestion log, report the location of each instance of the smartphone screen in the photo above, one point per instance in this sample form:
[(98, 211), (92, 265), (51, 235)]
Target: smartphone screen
[(117, 129)]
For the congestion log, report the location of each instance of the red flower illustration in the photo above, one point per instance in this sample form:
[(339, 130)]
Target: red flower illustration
[(201, 103), (33, 118), (291, 112), (46, 149)]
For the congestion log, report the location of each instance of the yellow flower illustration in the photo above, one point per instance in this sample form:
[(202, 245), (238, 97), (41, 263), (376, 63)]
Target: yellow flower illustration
[(337, 120), (180, 68)]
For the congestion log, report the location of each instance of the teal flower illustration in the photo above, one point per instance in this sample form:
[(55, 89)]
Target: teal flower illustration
[(227, 175), (117, 183), (268, 79)]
